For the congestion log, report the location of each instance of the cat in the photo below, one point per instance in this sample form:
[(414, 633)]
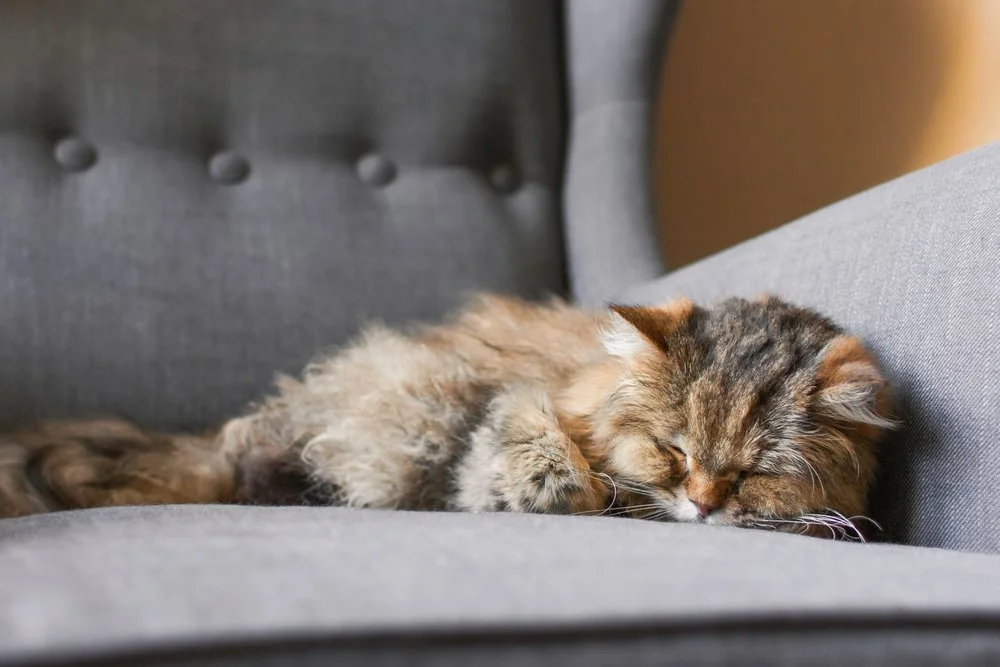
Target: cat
[(751, 413)]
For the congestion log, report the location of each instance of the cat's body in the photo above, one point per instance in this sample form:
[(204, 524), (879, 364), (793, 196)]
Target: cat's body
[(751, 413)]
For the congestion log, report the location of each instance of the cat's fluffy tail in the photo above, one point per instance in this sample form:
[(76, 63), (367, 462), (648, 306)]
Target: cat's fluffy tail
[(81, 464)]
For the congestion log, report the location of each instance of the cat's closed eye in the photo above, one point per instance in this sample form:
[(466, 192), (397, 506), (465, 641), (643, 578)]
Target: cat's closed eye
[(671, 447)]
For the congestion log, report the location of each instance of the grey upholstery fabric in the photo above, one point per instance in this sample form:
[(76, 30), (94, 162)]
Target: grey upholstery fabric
[(593, 590), (614, 51), (197, 194), (912, 267)]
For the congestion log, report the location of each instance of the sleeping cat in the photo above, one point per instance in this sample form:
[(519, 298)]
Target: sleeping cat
[(750, 413)]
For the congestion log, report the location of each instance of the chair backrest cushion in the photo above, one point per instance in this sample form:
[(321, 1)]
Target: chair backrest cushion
[(196, 194)]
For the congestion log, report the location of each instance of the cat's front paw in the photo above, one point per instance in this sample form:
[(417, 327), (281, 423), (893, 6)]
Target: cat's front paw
[(520, 460), (547, 474)]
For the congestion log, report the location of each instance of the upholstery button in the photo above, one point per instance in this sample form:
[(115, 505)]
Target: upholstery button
[(75, 154), (228, 168), (376, 170), (504, 178)]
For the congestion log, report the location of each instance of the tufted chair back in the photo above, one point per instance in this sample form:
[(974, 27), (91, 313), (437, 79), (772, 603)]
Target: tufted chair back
[(196, 194)]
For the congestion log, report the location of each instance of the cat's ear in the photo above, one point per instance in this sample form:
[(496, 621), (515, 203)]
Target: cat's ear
[(850, 387), (632, 329)]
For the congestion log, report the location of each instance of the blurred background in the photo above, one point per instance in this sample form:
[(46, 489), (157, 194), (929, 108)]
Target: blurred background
[(773, 108)]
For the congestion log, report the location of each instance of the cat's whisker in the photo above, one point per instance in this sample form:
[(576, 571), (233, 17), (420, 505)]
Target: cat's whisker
[(832, 519), (634, 487), (845, 445), (643, 511), (611, 511), (646, 506), (838, 515), (658, 516), (827, 522), (836, 520), (635, 490), (596, 512), (833, 531), (813, 475), (766, 526), (849, 524), (870, 520), (827, 519), (804, 527), (614, 488), (807, 521), (835, 444), (839, 525)]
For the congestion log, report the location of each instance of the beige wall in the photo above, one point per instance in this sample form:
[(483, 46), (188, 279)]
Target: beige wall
[(773, 108)]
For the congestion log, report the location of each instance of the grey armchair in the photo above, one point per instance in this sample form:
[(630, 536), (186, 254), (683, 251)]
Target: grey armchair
[(195, 194)]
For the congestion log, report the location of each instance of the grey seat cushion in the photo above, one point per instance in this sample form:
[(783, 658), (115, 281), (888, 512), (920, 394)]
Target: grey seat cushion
[(913, 266), (187, 582)]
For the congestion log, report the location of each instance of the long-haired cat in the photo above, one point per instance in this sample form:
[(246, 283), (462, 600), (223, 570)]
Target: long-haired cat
[(750, 413)]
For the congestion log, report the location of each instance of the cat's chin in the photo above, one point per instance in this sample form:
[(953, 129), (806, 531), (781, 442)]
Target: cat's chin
[(717, 518), (680, 509), (683, 510), (675, 506)]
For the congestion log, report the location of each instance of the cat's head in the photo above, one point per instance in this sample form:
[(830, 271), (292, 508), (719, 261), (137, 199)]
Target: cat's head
[(751, 413)]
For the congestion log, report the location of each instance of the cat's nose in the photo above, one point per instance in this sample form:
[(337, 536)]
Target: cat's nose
[(704, 509)]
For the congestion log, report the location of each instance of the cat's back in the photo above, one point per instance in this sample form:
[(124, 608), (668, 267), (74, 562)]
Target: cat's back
[(516, 338)]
